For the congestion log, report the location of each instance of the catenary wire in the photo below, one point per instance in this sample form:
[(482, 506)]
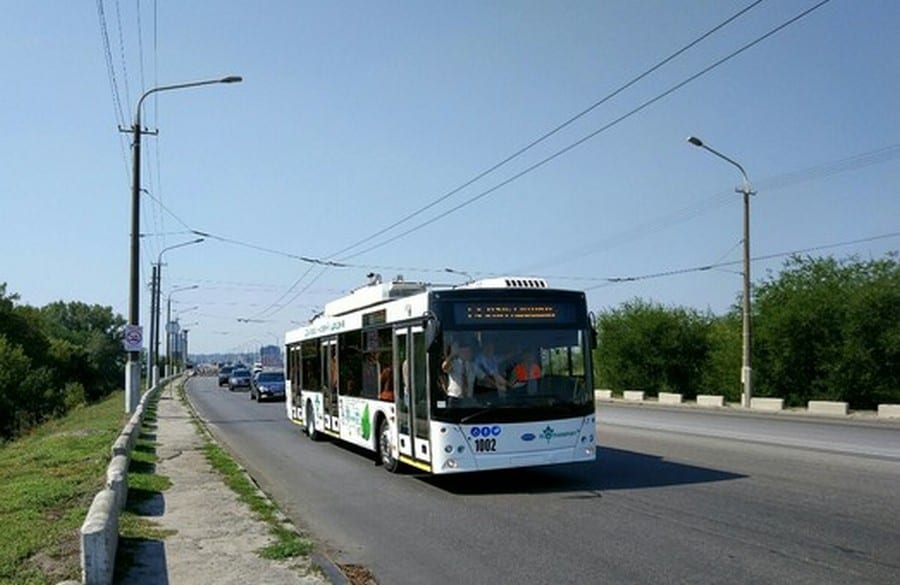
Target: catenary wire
[(716, 201), (589, 136), (706, 267), (550, 133)]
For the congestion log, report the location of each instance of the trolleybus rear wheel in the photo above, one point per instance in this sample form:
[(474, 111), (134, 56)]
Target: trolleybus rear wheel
[(384, 447), (311, 431)]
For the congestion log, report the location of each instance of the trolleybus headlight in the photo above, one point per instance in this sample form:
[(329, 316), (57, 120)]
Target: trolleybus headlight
[(451, 463)]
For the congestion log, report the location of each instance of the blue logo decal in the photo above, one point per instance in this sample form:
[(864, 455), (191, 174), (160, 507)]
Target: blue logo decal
[(485, 431), (528, 437), (476, 431), (495, 430)]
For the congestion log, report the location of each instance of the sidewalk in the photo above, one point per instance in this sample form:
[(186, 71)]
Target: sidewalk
[(215, 535)]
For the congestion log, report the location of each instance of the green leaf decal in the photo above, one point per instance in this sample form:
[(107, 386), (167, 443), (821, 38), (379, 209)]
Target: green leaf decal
[(366, 424)]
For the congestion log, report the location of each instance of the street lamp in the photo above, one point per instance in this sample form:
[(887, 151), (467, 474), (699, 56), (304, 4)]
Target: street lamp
[(746, 369), (132, 332), (153, 370), (461, 273), (169, 325)]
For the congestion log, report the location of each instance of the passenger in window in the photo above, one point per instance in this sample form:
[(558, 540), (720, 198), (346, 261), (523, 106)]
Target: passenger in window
[(371, 375), (386, 384), (526, 372), (460, 371), (487, 369)]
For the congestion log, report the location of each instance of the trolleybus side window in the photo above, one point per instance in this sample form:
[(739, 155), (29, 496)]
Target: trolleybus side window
[(311, 372), (351, 367)]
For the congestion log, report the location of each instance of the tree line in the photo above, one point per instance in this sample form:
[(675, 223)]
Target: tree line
[(823, 329), (54, 358)]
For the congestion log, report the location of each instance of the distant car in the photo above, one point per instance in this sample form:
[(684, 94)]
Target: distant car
[(224, 374), (240, 378), (267, 386)]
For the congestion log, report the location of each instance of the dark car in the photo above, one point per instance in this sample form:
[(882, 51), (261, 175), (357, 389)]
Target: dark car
[(240, 378), (224, 374), (267, 386)]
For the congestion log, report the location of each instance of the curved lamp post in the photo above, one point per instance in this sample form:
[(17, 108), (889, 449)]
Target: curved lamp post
[(133, 366), (746, 369), (153, 370)]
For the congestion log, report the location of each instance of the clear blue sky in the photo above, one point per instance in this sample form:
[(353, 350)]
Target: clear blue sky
[(354, 114)]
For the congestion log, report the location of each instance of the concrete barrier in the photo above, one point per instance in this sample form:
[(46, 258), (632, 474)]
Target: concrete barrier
[(827, 407), (711, 400), (100, 530), (669, 398), (117, 479), (889, 411), (602, 394), (771, 404), (633, 395), (121, 446), (99, 539)]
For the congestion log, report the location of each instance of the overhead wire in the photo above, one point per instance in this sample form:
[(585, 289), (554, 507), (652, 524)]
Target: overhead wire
[(526, 148), (593, 134), (553, 131), (766, 185), (113, 83), (846, 164), (706, 267)]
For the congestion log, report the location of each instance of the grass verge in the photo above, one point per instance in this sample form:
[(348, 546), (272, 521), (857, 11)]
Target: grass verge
[(48, 479), (287, 543)]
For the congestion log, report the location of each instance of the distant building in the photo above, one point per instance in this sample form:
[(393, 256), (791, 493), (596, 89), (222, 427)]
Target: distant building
[(270, 356)]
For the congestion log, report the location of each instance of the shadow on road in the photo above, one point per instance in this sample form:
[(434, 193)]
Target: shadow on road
[(614, 469)]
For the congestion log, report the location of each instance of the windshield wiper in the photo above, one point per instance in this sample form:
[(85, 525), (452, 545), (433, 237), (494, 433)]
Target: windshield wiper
[(477, 414)]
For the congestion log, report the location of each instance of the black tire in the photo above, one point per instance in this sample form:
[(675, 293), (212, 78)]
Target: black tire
[(310, 423), (384, 447)]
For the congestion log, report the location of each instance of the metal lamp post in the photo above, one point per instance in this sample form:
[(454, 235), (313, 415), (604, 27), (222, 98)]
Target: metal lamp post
[(133, 331), (746, 369), (153, 371), (169, 332)]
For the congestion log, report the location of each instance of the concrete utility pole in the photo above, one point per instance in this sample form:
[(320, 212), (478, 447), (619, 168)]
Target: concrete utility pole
[(746, 369), (133, 335)]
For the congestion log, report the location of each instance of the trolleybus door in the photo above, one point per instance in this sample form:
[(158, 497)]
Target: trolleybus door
[(412, 399), (330, 383)]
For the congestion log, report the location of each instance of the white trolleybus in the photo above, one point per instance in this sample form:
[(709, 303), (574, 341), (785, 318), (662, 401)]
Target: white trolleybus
[(494, 374)]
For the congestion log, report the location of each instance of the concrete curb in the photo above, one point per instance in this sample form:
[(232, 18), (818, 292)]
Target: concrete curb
[(99, 539), (100, 530), (332, 571)]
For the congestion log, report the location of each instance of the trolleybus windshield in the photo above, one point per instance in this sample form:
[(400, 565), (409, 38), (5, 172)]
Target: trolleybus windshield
[(512, 373)]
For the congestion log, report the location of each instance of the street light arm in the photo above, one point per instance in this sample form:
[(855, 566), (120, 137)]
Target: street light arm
[(699, 143), (173, 291), (181, 245), (228, 79)]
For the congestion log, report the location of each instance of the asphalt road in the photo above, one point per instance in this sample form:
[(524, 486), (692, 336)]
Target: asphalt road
[(675, 496)]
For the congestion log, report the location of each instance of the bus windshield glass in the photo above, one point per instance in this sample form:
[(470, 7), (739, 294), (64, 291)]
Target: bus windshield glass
[(512, 373)]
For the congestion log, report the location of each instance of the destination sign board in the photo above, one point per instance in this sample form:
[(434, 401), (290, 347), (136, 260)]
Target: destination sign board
[(473, 313)]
